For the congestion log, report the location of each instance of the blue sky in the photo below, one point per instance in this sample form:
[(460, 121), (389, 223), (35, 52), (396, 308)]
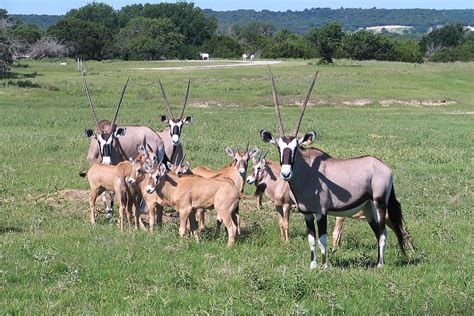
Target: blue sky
[(62, 6)]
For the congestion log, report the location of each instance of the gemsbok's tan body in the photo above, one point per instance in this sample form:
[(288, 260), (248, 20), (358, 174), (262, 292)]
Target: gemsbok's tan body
[(265, 176), (113, 178), (188, 193), (138, 179), (235, 172), (323, 185)]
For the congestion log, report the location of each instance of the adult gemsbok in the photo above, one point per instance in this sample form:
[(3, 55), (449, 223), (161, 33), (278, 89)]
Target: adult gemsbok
[(325, 185), (110, 143), (175, 125)]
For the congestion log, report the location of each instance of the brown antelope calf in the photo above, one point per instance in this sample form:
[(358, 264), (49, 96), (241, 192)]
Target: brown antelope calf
[(138, 179), (265, 176), (186, 194), (112, 178), (235, 172)]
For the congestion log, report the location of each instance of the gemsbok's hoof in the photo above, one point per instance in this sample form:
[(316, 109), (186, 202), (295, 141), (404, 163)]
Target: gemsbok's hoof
[(313, 265), (324, 266)]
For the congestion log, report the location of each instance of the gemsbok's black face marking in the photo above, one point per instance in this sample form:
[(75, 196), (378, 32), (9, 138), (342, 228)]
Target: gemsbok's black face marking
[(288, 144), (107, 132), (287, 147), (106, 143), (175, 125)]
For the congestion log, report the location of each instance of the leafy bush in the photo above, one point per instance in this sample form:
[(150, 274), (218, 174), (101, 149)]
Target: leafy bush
[(285, 44), (222, 47), (327, 40), (148, 39), (365, 45), (407, 51), (450, 35), (464, 52)]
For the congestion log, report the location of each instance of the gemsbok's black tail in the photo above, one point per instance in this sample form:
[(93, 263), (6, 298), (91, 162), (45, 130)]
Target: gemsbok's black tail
[(396, 217), (83, 173)]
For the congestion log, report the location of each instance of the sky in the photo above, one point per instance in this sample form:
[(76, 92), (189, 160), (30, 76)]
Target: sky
[(62, 6)]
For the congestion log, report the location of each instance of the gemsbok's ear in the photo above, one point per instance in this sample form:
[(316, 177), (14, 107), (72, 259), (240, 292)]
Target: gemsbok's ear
[(89, 133), (229, 151), (188, 120), (170, 165), (267, 137), (120, 132), (307, 139), (163, 118)]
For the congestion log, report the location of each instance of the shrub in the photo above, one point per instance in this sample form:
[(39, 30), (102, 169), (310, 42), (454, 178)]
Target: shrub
[(366, 45)]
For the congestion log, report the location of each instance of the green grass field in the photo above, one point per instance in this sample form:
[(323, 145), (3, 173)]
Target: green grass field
[(54, 261)]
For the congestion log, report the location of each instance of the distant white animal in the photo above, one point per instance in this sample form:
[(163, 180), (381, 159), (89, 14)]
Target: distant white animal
[(63, 64), (244, 57), (252, 57), (204, 56)]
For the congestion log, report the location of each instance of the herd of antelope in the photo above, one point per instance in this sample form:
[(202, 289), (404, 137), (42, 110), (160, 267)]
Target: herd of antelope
[(141, 167)]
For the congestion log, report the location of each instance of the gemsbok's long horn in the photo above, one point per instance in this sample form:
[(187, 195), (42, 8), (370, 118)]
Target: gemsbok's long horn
[(281, 131), (185, 100), (303, 106), (237, 148), (170, 113), (89, 99), (247, 148), (119, 103)]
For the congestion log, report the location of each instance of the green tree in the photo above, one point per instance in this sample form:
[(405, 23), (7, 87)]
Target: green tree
[(27, 33), (190, 21), (327, 40), (222, 46), (99, 13), (285, 44), (88, 40), (149, 39), (450, 35), (253, 36), (6, 58), (407, 51), (365, 45), (463, 52)]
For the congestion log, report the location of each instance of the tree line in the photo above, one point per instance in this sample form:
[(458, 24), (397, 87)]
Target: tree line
[(181, 30), (352, 19)]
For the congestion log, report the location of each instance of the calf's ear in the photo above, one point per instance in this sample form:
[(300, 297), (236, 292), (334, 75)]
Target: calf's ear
[(229, 151)]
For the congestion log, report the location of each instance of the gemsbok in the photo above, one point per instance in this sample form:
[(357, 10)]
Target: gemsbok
[(111, 144), (324, 185), (175, 125), (235, 172), (188, 193), (265, 177), (103, 177), (138, 179)]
